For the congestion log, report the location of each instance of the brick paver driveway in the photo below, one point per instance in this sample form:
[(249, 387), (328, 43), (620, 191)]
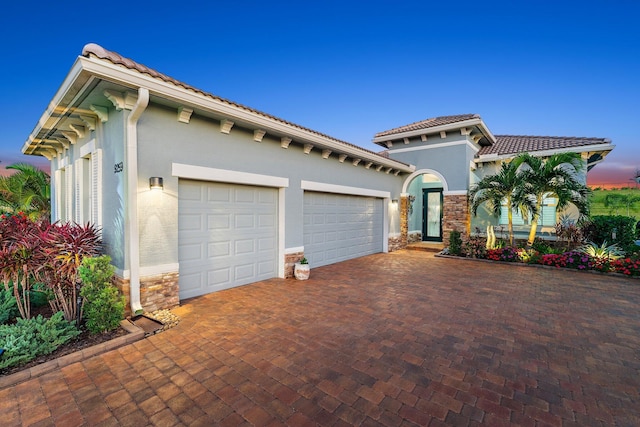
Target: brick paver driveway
[(396, 339)]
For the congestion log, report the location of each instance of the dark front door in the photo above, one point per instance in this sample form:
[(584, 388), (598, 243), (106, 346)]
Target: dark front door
[(432, 209)]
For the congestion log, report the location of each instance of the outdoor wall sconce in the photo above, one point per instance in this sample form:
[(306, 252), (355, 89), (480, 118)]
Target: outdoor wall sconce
[(155, 183), (394, 201)]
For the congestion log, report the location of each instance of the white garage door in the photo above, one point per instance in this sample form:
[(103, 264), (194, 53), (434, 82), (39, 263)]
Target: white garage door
[(340, 227), (227, 235)]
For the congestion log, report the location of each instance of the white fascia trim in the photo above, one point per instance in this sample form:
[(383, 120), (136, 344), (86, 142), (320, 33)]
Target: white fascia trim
[(545, 153), (127, 77), (289, 251), (438, 129), (431, 146), (455, 193), (343, 189), (156, 270), (88, 148), (224, 175)]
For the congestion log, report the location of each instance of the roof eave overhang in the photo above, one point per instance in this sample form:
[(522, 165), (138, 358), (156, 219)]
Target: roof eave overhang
[(73, 84), (134, 79), (381, 140), (602, 148)]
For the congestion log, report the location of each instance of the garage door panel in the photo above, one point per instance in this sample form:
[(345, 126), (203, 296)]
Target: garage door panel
[(240, 237), (219, 222), (340, 227), (219, 249)]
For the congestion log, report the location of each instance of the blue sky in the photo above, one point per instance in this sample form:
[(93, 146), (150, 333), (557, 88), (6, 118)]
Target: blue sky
[(351, 69)]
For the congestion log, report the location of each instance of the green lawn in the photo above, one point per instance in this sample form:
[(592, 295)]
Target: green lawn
[(598, 202)]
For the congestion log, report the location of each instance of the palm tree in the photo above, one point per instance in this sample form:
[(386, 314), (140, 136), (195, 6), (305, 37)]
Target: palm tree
[(557, 176), (28, 190), (503, 187)]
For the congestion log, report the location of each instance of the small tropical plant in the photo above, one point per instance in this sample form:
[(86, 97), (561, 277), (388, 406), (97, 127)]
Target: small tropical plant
[(103, 306), (601, 255), (476, 246), (28, 190), (303, 261), (8, 306), (455, 243)]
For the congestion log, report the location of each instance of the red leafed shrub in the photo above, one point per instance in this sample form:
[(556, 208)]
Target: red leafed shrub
[(65, 246), (49, 253), (21, 256)]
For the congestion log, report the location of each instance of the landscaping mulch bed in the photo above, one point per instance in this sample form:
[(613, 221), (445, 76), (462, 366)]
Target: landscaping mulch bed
[(86, 339), (82, 341)]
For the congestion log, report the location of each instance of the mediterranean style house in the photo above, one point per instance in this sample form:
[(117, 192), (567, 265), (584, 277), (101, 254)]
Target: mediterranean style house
[(195, 193)]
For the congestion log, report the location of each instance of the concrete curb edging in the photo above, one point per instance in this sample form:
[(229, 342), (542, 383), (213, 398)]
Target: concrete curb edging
[(134, 334)]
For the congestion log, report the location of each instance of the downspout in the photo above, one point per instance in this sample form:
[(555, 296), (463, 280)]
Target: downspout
[(132, 197)]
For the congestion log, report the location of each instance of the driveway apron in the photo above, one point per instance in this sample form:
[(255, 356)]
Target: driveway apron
[(395, 339)]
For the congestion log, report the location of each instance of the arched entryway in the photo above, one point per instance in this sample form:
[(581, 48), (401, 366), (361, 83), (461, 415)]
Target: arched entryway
[(424, 191)]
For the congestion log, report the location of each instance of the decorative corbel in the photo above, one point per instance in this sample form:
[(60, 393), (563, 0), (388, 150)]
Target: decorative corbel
[(379, 168), (368, 165), (116, 98), (90, 121), (342, 158), (308, 148), (101, 112), (406, 140), (258, 134), (326, 154), (389, 144), (477, 138), (423, 138), (225, 126), (64, 142), (356, 161), (465, 131), (184, 114), (284, 142), (78, 129), (443, 134), (388, 170), (396, 173), (71, 136), (130, 100)]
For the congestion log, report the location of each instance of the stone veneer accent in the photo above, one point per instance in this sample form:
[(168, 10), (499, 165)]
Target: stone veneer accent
[(414, 237), (404, 220), (156, 292), (455, 216), (290, 262), (395, 243)]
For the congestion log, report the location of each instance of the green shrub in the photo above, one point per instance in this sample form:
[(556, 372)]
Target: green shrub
[(30, 338), (40, 295), (8, 306), (455, 243), (615, 229), (103, 305)]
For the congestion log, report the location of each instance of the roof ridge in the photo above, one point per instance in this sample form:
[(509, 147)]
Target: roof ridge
[(548, 136), (93, 49), (450, 119)]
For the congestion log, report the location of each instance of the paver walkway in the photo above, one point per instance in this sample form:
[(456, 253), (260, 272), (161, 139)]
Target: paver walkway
[(391, 339)]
